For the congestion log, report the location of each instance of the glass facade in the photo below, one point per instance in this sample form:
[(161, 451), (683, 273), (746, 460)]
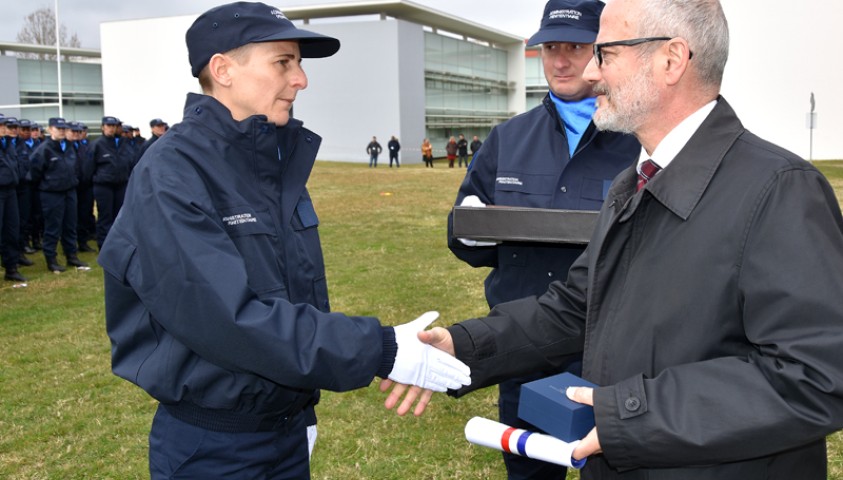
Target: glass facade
[(82, 97), (466, 89), (536, 83)]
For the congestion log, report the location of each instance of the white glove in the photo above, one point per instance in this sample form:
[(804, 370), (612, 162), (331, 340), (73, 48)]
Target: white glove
[(419, 364), (474, 201)]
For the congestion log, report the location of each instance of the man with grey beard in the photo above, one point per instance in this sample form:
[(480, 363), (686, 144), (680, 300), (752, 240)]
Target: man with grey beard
[(707, 305)]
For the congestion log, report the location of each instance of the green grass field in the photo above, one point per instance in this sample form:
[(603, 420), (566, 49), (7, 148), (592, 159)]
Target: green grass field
[(63, 415)]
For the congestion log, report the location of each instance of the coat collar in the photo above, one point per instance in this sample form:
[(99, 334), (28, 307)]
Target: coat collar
[(212, 114), (681, 186)]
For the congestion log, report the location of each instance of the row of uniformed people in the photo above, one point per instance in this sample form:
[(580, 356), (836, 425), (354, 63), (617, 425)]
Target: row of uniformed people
[(17, 140), (61, 178)]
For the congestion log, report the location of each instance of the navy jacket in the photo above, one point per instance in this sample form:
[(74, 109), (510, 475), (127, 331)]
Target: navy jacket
[(462, 146), (24, 163), (84, 163), (146, 144), (54, 169), (707, 307), (112, 162), (215, 288), (525, 162), (9, 175)]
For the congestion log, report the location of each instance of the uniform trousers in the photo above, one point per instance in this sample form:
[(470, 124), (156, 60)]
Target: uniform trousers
[(109, 197), (24, 194), (59, 210), (9, 227), (179, 450), (35, 227), (86, 222)]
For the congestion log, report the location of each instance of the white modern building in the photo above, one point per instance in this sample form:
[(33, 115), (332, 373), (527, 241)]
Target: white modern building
[(29, 86), (403, 70), (410, 71)]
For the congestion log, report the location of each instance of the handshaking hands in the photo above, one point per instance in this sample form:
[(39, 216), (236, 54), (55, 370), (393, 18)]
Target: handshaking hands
[(424, 363)]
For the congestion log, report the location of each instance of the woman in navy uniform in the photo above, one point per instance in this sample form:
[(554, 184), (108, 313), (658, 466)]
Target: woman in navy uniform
[(215, 291), (53, 174)]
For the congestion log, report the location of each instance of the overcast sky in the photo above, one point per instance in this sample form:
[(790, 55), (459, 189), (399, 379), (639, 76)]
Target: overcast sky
[(518, 17)]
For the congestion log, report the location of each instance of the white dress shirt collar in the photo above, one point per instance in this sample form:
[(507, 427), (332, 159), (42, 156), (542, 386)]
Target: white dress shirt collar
[(675, 141)]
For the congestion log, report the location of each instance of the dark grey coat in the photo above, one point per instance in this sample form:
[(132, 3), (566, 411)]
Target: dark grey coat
[(710, 309)]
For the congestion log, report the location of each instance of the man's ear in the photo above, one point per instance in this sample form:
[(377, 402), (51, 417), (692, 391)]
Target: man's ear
[(678, 56), (220, 69)]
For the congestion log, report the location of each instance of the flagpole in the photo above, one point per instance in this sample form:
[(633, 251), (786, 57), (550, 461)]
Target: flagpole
[(58, 59)]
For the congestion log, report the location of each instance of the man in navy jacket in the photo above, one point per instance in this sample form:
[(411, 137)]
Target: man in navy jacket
[(215, 291), (550, 157)]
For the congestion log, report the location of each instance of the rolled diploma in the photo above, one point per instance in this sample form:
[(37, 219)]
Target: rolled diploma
[(491, 434)]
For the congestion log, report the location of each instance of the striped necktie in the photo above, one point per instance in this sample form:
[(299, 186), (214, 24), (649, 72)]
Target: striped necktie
[(646, 171)]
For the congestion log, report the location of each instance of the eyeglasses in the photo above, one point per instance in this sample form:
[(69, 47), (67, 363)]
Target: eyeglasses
[(598, 47)]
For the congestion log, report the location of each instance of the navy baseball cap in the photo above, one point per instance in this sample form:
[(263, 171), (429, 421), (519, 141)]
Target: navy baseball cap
[(24, 123), (570, 21), (126, 127), (233, 25), (156, 122), (110, 121), (75, 126), (11, 122), (57, 122)]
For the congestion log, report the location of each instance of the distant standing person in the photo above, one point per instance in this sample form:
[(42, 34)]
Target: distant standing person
[(451, 151), (53, 174), (26, 145), (475, 146), (158, 127), (373, 149), (462, 150), (393, 147), (113, 160), (85, 219), (9, 215), (427, 153)]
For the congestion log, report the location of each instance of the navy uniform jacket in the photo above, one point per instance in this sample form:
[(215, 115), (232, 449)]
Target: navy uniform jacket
[(25, 150), (146, 144), (54, 169), (525, 162), (708, 309), (112, 162), (215, 290), (9, 175), (84, 163)]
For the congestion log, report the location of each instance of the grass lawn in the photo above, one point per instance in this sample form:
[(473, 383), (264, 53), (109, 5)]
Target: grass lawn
[(64, 415)]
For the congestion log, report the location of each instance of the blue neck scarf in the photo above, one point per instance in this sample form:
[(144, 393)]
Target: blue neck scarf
[(576, 116)]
